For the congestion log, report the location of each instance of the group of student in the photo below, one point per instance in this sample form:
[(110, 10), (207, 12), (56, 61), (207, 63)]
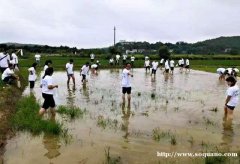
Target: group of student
[(8, 66), (116, 60), (168, 65)]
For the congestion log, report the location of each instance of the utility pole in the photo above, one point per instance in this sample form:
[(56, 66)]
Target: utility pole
[(114, 35)]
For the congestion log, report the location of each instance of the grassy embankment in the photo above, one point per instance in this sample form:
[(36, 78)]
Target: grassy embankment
[(207, 63)]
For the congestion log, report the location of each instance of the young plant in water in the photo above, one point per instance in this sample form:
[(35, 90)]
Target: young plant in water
[(72, 112), (153, 96), (110, 159), (139, 93), (173, 140), (214, 109)]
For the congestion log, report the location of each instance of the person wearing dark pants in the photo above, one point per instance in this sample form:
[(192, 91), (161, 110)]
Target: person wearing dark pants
[(32, 75), (126, 85)]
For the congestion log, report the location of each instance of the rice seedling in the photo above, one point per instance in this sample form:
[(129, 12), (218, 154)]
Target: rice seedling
[(158, 134), (208, 121), (216, 159), (173, 140), (153, 96), (191, 141), (214, 109), (103, 123), (72, 112), (110, 159), (139, 94)]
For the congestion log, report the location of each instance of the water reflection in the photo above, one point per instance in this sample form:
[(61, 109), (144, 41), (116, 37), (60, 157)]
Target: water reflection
[(227, 134), (125, 117), (71, 95), (52, 145), (85, 91)]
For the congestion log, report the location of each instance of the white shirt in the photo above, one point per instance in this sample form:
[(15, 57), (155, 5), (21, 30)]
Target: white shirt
[(4, 62), (154, 65), (45, 67), (229, 70), (162, 60), (147, 63), (132, 58), (32, 74), (111, 61), (14, 58), (221, 70), (47, 81), (84, 70), (92, 56), (8, 72), (126, 78), (94, 66), (182, 61), (234, 93), (69, 68), (117, 57), (166, 65), (187, 62), (37, 57), (124, 57), (172, 63)]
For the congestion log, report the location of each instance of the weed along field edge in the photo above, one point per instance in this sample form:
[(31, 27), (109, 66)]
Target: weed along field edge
[(179, 113)]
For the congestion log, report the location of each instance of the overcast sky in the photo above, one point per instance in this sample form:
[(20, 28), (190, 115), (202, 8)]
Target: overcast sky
[(89, 23)]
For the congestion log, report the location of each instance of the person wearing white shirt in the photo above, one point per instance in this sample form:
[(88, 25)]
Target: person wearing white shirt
[(161, 63), (117, 59), (47, 92), (154, 67), (111, 61), (4, 61), (32, 75), (181, 64), (187, 65), (84, 72), (37, 58), (92, 57), (172, 63), (124, 58), (48, 63), (15, 60), (232, 97), (221, 72), (147, 65), (132, 60), (9, 76), (126, 84), (70, 73), (167, 67)]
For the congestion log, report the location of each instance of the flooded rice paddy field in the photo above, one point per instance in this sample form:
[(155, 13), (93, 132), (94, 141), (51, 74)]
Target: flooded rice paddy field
[(182, 113)]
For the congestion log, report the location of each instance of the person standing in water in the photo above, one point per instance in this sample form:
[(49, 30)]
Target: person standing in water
[(126, 84), (172, 63), (154, 67), (48, 63), (232, 97), (147, 64), (70, 73), (124, 59), (32, 75), (221, 71), (167, 67), (132, 60), (161, 63), (47, 92), (92, 57), (84, 72), (187, 65)]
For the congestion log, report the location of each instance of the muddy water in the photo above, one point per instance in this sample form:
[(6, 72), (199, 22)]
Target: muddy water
[(179, 105)]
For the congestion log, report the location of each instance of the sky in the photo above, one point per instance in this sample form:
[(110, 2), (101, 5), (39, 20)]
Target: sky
[(90, 23)]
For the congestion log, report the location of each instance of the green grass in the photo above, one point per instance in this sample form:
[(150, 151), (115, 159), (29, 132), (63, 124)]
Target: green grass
[(27, 118), (72, 112)]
